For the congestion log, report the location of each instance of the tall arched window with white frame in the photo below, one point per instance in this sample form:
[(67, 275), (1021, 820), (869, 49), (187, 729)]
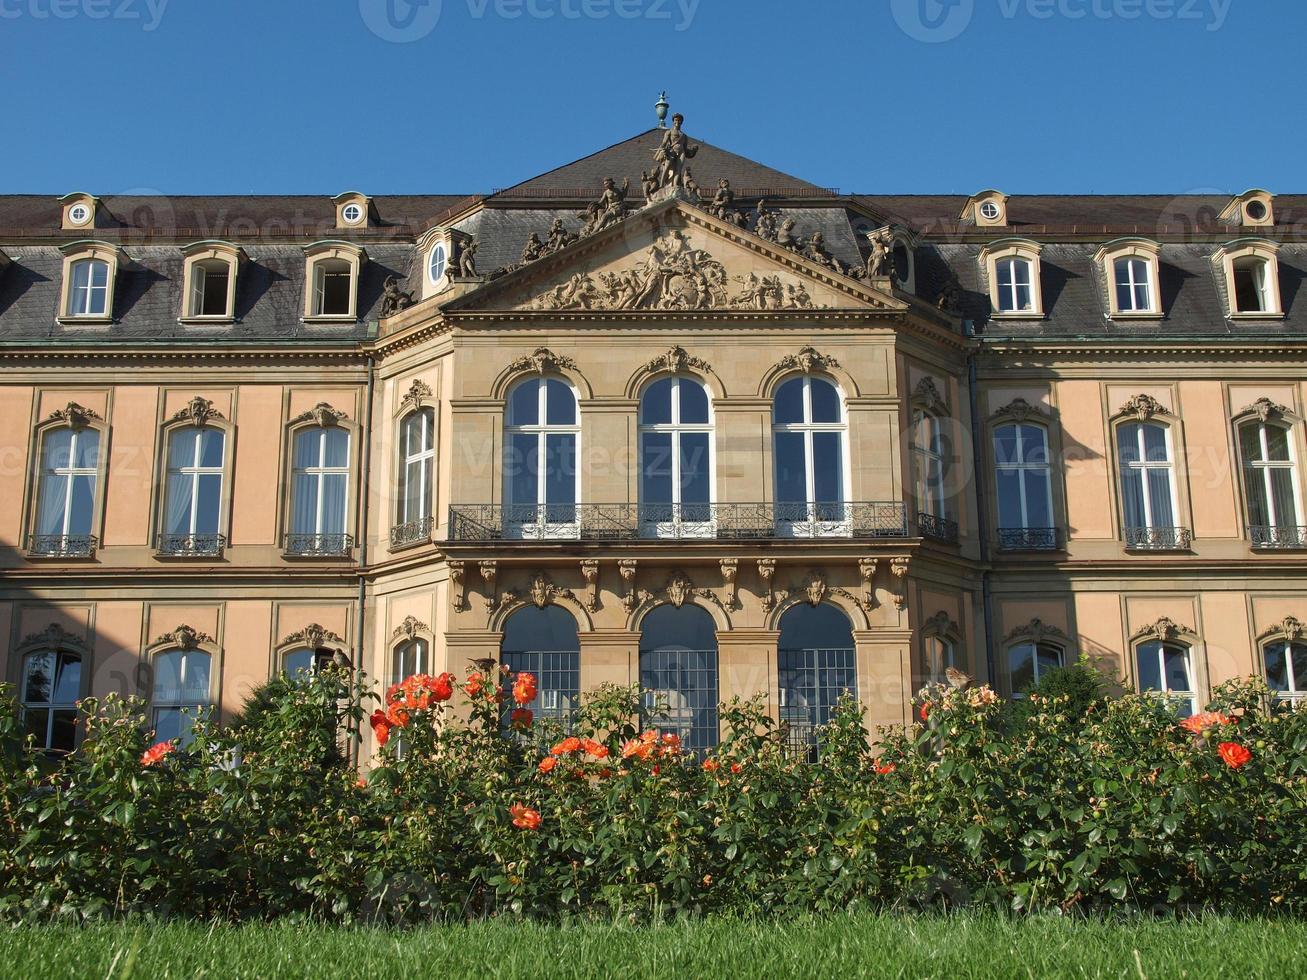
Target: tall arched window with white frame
[(1015, 285), (51, 687), (320, 492), (1148, 494), (181, 692), (1167, 668), (810, 441), (542, 481), (1025, 487), (676, 464), (192, 506), (1286, 669), (414, 509), (1270, 477), (66, 493), (930, 457)]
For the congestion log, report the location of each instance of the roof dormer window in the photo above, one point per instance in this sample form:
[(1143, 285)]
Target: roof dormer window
[(1251, 209), (988, 209), (79, 211), (90, 271), (331, 282), (1012, 269), (1130, 271), (209, 281), (1250, 272), (353, 211)]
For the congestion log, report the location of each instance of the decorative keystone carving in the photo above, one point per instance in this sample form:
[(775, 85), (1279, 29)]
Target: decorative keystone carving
[(186, 638), (679, 588), (899, 569), (730, 567), (815, 588), (74, 416), (766, 570), (314, 636), (626, 568), (410, 628), (320, 414), (806, 360), (590, 572), (198, 411), (457, 575), (543, 591), (541, 361), (1288, 628), (1266, 410), (1020, 411), (1036, 631), (1142, 408), (867, 570), (941, 624), (676, 359), (489, 571), (927, 399), (417, 391), (55, 637), (1164, 629)]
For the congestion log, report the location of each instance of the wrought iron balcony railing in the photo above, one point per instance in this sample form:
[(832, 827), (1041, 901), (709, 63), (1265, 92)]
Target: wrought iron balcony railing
[(318, 545), (1278, 537), (707, 522), (1029, 538), (191, 545), (1158, 538), (937, 528), (411, 533), (63, 545)]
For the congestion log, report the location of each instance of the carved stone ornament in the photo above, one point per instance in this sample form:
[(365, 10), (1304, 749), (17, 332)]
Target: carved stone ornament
[(676, 359), (542, 591), (807, 360), (1142, 408), (679, 588), (54, 637), (74, 416), (899, 569), (867, 571), (198, 411), (671, 159), (457, 575), (941, 624), (815, 588), (1164, 629), (541, 361), (1036, 631), (1289, 628), (730, 568), (626, 568), (1266, 410), (766, 570), (313, 636), (394, 299), (926, 398), (590, 572), (675, 276), (417, 392), (410, 628), (489, 572), (1020, 411), (188, 638), (320, 414)]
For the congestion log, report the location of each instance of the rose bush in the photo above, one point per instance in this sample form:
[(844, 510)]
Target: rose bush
[(1068, 799)]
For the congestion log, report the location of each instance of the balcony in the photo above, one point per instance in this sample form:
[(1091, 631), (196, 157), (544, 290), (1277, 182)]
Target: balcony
[(62, 545), (1029, 539), (937, 528), (318, 545), (1158, 539), (190, 545), (1271, 538), (411, 533), (676, 522)]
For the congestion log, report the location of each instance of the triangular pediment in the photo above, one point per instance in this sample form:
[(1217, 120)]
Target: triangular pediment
[(671, 257)]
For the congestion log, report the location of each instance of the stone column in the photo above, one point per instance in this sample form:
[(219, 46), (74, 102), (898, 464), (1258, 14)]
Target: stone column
[(609, 657), (885, 675), (746, 665)]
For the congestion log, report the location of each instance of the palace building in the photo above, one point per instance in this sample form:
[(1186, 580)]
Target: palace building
[(663, 416)]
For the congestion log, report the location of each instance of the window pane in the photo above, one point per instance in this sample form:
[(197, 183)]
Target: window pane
[(335, 292), (656, 405), (560, 404), (825, 401), (695, 483), (1277, 667), (1127, 439), (827, 467), (791, 471), (211, 441), (1132, 498), (298, 663), (1299, 663), (38, 684), (337, 448), (524, 404), (304, 504), (788, 406), (1150, 668), (1037, 499), (560, 476), (87, 452), (209, 504), (522, 468), (82, 505), (1282, 495), (168, 677), (1009, 499), (308, 448), (1159, 494), (1176, 661), (1005, 445), (1277, 443), (63, 734), (1034, 444), (1021, 665), (1155, 447), (334, 490), (177, 510), (694, 403), (1050, 658), (181, 448), (656, 468), (50, 507)]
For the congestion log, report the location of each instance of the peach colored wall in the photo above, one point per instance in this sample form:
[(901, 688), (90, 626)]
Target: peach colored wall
[(1084, 447), (259, 427), (16, 410)]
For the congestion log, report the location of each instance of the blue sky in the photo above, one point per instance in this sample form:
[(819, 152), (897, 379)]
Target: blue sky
[(455, 96)]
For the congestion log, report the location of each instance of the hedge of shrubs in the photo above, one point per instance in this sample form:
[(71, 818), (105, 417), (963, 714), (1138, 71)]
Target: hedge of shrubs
[(1068, 801)]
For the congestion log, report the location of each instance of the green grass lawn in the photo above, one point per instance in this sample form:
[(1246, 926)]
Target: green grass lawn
[(881, 946)]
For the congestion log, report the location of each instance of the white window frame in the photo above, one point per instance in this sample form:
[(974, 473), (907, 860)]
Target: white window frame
[(194, 471), (1130, 251), (424, 458), (1127, 274), (438, 249), (421, 658), (1297, 692), (1236, 255), (1142, 466), (69, 472), (676, 428), (541, 429), (1022, 467), (52, 706), (809, 429), (1191, 694), (179, 704), (1264, 465), (322, 257), (1035, 669), (923, 452), (319, 473)]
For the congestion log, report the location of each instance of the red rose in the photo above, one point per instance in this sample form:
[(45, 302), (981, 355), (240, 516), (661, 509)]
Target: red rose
[(380, 727), (524, 817), (1234, 754), (884, 769), (711, 765), (522, 718), (547, 764), (924, 713), (157, 753), (442, 689), (567, 746)]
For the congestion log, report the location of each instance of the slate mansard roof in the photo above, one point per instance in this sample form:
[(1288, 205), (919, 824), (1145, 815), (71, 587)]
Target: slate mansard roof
[(273, 231)]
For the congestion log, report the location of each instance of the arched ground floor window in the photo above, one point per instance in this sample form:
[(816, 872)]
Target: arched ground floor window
[(678, 674), (817, 664), (543, 642)]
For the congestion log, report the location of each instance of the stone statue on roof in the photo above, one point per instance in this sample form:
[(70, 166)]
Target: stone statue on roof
[(672, 155)]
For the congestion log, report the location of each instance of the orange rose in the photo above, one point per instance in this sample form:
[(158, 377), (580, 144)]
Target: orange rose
[(380, 727), (1208, 719), (567, 746), (594, 748), (524, 817), (671, 743), (1234, 754), (397, 716), (521, 718), (157, 753), (547, 764), (524, 688), (884, 769), (473, 686), (924, 713), (736, 768), (443, 687), (637, 748), (711, 765)]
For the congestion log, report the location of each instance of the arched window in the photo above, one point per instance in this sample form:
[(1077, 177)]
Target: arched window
[(417, 435), (678, 673), (541, 476), (930, 456), (1271, 484), (210, 289), (1148, 500), (88, 290), (320, 492), (1167, 668), (1015, 290), (808, 438), (66, 496), (409, 658), (192, 509), (304, 662), (1025, 486), (52, 684), (817, 664), (1134, 285), (675, 458), (941, 654), (1254, 285), (1286, 669), (1029, 662), (181, 692), (544, 642)]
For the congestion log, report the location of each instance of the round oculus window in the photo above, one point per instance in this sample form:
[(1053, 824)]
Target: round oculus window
[(1257, 210), (989, 211), (79, 214), (352, 213), (439, 261)]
